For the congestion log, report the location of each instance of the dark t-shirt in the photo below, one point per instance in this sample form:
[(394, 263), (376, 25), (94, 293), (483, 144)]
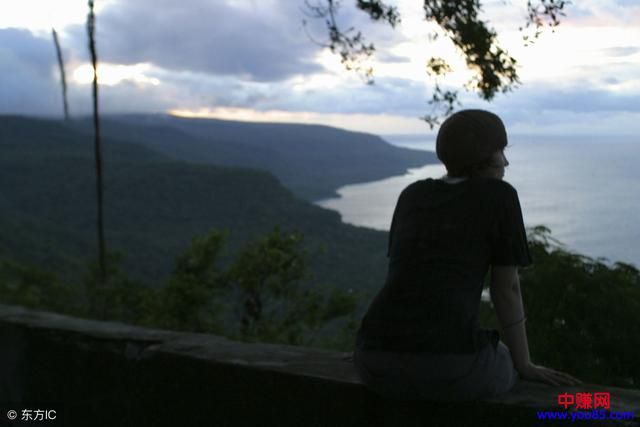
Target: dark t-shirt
[(443, 239)]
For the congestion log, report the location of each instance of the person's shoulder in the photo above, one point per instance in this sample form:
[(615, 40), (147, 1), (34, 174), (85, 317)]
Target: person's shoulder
[(415, 187), (496, 185)]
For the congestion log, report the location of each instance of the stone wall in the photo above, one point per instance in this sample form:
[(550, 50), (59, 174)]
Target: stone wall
[(104, 373)]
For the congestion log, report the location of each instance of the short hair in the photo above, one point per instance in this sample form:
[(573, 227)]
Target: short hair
[(467, 139)]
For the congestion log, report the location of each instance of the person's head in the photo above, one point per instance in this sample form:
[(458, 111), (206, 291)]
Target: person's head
[(471, 143)]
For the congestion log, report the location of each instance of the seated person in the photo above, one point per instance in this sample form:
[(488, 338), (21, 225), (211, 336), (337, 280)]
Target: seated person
[(420, 338)]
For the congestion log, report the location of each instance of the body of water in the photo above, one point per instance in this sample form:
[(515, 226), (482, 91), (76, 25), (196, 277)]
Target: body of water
[(585, 189)]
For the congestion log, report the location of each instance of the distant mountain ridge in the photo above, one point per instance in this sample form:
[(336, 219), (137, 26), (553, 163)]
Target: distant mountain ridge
[(311, 160)]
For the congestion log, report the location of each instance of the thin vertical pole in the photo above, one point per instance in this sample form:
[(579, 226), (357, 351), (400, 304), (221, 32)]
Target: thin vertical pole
[(63, 78), (91, 25)]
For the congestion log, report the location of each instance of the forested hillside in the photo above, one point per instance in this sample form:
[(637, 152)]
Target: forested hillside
[(311, 160), (154, 206)]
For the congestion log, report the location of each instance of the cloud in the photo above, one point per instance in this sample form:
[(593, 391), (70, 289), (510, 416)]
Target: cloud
[(618, 13), (585, 100), (390, 57), (386, 96), (28, 70), (626, 3), (621, 51), (262, 41), (259, 42), (31, 82), (261, 60), (529, 102), (548, 109)]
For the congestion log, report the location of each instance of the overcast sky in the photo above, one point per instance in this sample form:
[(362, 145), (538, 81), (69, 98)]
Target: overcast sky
[(254, 60)]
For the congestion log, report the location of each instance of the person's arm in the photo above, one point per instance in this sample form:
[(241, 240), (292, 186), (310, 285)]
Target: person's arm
[(507, 300)]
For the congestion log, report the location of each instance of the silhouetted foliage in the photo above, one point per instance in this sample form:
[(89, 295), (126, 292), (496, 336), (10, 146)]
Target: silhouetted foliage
[(541, 13), (271, 306), (113, 296), (494, 69), (33, 287), (351, 46), (582, 313), (261, 292), (189, 300)]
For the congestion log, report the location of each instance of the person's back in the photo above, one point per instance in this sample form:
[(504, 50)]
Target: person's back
[(442, 241), (420, 338)]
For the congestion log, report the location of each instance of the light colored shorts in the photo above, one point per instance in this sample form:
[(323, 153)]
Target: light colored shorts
[(440, 377)]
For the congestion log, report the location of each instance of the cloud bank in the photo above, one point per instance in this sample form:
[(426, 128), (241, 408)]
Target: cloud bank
[(256, 55)]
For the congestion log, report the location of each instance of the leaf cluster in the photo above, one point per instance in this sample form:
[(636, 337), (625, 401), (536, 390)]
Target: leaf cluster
[(494, 69), (582, 313), (350, 45), (271, 303), (538, 13)]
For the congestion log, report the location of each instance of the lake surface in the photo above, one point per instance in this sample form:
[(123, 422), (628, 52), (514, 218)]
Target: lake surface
[(585, 189)]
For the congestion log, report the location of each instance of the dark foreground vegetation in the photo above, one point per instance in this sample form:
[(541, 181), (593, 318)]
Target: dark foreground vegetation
[(582, 313), (258, 297)]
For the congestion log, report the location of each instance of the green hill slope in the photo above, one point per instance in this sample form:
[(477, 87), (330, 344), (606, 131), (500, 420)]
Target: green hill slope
[(154, 206)]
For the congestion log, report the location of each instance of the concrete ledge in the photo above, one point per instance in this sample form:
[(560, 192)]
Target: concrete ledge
[(106, 373)]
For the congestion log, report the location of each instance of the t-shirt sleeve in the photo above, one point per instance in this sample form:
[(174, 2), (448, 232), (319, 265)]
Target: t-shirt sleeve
[(509, 242)]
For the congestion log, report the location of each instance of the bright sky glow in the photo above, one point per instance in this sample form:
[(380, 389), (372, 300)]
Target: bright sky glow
[(113, 74), (377, 124), (573, 53), (41, 15)]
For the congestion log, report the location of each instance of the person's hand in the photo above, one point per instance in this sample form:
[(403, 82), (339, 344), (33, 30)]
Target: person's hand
[(541, 374)]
